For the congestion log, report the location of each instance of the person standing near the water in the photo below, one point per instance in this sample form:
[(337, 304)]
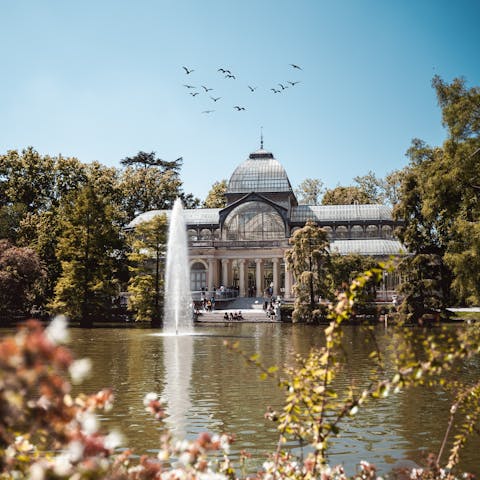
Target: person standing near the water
[(212, 301)]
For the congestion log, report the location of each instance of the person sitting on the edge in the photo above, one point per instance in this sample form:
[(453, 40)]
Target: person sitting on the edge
[(225, 316)]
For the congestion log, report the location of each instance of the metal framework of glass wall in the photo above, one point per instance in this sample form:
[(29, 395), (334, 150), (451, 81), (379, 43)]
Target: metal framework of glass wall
[(254, 221)]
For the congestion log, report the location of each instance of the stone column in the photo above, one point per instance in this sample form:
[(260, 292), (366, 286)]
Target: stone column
[(259, 277), (288, 282), (211, 273), (276, 276), (243, 289), (225, 263)]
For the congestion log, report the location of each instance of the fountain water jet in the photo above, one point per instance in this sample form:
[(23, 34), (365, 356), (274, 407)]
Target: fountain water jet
[(178, 300)]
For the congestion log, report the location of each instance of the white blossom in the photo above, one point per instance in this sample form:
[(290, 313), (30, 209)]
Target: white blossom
[(89, 423), (113, 440), (37, 472), (57, 331), (80, 369), (62, 465), (149, 397), (75, 451)]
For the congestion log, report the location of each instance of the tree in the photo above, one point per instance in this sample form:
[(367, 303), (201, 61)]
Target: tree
[(89, 247), (216, 196), (344, 268), (145, 287), (149, 183), (440, 202), (346, 196), (150, 160), (309, 260), (310, 191), (26, 178), (392, 184), (21, 278), (374, 187)]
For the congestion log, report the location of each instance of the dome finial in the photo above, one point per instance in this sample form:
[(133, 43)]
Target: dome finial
[(261, 138)]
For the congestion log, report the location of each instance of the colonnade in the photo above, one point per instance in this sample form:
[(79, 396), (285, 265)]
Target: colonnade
[(221, 272)]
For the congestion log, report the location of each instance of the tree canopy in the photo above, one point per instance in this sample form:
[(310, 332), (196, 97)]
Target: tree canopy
[(146, 283), (309, 260), (310, 191), (439, 200), (216, 196), (21, 277), (346, 196)]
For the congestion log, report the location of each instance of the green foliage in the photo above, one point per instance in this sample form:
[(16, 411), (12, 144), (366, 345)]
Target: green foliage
[(316, 408), (309, 261), (381, 190), (145, 287), (344, 268), (44, 434), (440, 199), (21, 279), (310, 191), (145, 189), (346, 196), (372, 186), (216, 196), (150, 183), (88, 248)]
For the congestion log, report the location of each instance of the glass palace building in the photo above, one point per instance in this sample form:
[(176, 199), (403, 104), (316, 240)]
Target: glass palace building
[(242, 246)]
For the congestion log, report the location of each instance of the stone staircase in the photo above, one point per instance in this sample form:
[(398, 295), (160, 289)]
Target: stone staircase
[(251, 308), (246, 303)]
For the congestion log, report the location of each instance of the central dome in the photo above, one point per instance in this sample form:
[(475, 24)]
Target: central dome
[(260, 172)]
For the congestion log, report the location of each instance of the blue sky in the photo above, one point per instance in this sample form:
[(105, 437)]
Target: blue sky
[(101, 80)]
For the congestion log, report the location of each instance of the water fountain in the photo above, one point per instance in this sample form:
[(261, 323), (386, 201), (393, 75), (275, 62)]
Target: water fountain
[(178, 301)]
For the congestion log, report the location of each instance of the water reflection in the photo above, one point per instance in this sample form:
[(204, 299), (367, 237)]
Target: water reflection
[(208, 388), (177, 363)]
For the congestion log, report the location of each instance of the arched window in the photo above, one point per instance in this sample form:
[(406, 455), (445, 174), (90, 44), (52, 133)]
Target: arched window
[(205, 234), (198, 277), (372, 231), (341, 232), (329, 231), (192, 235), (356, 231), (387, 231), (253, 221)]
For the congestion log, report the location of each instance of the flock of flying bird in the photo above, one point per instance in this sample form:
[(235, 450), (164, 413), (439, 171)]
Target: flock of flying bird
[(193, 90)]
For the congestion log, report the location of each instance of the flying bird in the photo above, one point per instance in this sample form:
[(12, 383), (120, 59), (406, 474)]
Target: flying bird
[(252, 89), (237, 108), (193, 93), (187, 71), (208, 111), (215, 99), (190, 86), (229, 75), (206, 89), (293, 83), (283, 86), (274, 90), (296, 66)]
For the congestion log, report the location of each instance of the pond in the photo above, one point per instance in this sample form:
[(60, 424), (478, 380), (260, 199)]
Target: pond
[(208, 388)]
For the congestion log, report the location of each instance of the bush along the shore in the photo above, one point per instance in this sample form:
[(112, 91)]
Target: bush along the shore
[(46, 433)]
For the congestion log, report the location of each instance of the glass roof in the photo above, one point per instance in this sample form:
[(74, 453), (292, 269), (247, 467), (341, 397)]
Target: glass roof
[(332, 213), (261, 172), (374, 247), (300, 214), (198, 216)]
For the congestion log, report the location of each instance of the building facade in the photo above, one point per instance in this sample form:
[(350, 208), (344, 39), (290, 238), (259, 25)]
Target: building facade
[(242, 246)]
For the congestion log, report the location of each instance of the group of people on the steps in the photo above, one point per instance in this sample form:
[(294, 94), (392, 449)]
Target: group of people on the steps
[(233, 316)]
